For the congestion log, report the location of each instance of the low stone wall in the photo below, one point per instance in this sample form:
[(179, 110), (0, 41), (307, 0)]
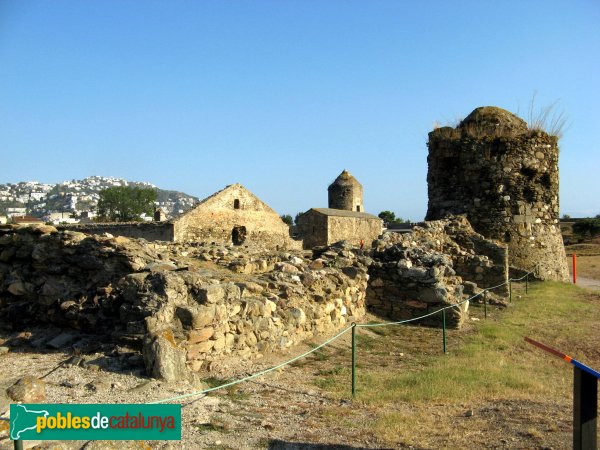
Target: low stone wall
[(474, 258), (414, 283), (202, 320), (65, 278), (151, 231), (416, 273), (182, 303)]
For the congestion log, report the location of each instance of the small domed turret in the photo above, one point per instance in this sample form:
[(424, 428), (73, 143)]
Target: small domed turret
[(346, 193)]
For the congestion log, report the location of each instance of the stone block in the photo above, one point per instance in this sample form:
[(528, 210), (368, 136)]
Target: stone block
[(28, 390), (195, 350), (213, 293), (196, 336)]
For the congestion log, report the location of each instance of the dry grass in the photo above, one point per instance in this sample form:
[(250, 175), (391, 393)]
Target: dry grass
[(416, 393), (549, 119), (583, 249), (587, 266), (588, 260)]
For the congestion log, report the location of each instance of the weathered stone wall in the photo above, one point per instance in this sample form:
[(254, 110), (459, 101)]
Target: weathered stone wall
[(214, 219), (65, 278), (353, 230), (504, 177), (437, 265), (475, 258), (150, 231), (191, 305), (203, 319), (312, 229), (325, 226)]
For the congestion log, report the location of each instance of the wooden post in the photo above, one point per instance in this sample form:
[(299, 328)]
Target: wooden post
[(585, 410)]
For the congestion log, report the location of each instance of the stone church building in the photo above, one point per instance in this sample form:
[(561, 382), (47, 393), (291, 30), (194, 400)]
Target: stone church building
[(345, 218), (234, 215)]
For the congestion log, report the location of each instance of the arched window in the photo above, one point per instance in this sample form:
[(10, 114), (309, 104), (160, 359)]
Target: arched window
[(236, 203)]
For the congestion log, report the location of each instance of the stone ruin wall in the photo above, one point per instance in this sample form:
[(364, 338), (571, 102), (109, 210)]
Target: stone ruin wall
[(163, 231), (506, 182), (190, 306), (438, 264), (186, 317), (204, 320)]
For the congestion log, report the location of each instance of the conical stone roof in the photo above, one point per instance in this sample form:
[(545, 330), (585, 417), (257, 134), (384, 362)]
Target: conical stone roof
[(344, 179)]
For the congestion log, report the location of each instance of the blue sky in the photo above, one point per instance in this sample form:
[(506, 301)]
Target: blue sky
[(281, 96)]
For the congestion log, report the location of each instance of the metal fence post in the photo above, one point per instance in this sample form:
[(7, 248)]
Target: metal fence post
[(527, 284), (510, 290), (18, 445), (485, 304), (353, 359), (444, 328)]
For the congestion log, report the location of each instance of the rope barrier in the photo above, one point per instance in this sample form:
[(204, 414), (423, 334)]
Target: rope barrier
[(258, 374), (352, 327), (414, 319)]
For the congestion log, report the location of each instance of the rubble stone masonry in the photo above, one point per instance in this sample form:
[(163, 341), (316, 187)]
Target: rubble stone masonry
[(504, 177)]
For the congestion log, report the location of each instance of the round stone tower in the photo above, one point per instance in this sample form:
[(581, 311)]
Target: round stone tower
[(504, 177), (346, 193)]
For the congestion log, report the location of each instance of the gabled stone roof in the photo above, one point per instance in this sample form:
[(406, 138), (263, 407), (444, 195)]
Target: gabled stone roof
[(344, 213)]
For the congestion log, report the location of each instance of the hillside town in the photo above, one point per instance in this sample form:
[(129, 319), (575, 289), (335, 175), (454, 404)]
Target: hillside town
[(74, 201)]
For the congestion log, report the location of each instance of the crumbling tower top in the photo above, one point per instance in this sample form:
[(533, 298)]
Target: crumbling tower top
[(492, 120)]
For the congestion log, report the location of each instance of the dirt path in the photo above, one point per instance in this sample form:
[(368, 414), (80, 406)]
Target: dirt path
[(287, 410), (588, 283)]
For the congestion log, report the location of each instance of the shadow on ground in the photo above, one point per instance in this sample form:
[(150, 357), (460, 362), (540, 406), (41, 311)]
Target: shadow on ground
[(285, 445)]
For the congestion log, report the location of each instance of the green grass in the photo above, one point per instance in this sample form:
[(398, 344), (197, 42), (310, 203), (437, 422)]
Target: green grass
[(489, 361), (327, 379), (495, 360)]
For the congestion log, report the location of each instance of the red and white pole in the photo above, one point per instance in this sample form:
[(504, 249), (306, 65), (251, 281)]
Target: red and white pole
[(574, 268)]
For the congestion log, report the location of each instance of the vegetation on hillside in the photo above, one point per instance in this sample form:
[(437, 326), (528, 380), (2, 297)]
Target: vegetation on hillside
[(125, 203)]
